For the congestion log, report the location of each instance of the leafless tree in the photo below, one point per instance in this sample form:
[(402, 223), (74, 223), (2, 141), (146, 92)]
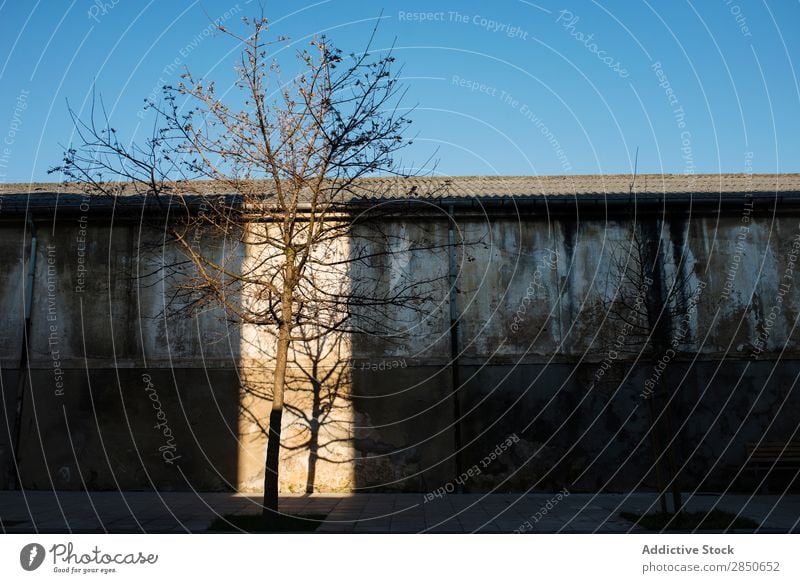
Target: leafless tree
[(290, 157), (647, 299)]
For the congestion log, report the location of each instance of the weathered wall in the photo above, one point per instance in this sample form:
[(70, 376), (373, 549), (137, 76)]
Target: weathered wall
[(536, 335), (116, 396), (122, 396), (12, 248)]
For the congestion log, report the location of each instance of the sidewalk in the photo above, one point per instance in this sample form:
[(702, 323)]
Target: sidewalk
[(180, 512)]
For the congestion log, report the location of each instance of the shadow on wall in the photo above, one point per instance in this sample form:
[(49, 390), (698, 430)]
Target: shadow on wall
[(119, 394), (316, 452), (122, 393)]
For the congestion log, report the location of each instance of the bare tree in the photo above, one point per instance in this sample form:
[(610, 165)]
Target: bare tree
[(290, 156), (648, 298)]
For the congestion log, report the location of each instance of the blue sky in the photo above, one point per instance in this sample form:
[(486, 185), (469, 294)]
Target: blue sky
[(504, 87)]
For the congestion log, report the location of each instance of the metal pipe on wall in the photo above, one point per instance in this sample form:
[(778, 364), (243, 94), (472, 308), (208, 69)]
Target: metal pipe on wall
[(24, 360), (455, 350)]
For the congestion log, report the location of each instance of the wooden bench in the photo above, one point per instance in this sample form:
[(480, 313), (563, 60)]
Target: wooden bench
[(773, 456)]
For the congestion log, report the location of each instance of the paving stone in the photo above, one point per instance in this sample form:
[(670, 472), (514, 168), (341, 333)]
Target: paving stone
[(179, 511)]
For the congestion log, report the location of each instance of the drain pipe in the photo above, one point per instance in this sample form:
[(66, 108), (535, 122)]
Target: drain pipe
[(455, 377), (24, 359)]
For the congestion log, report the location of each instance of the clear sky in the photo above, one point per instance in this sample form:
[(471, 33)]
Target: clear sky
[(503, 87)]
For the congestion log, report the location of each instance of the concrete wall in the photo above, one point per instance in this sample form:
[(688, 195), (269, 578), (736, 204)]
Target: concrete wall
[(118, 394), (535, 334), (121, 395)]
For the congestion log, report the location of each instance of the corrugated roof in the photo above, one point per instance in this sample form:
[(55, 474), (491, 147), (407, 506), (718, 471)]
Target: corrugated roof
[(493, 186), (503, 186)]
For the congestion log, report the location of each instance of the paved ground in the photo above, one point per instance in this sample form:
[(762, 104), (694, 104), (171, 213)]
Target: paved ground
[(47, 512)]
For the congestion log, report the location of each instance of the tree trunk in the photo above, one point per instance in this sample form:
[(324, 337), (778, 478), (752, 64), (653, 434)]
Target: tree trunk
[(660, 326), (270, 510), (313, 440), (677, 502), (662, 487)]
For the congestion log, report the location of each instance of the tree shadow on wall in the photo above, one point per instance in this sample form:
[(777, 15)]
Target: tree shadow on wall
[(318, 427)]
